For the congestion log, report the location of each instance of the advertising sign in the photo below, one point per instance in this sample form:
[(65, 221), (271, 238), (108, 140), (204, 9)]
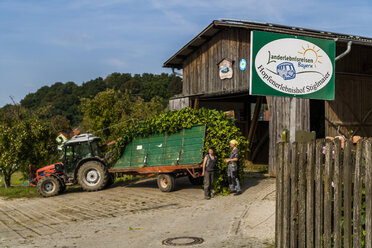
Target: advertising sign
[(292, 66), (225, 69)]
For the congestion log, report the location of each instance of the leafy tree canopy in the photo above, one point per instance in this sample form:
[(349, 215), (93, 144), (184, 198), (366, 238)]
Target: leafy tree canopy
[(64, 99), (111, 107), (25, 139)]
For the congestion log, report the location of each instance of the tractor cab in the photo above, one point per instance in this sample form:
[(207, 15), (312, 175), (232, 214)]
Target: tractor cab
[(78, 148)]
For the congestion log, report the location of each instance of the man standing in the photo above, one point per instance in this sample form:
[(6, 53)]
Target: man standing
[(232, 170)]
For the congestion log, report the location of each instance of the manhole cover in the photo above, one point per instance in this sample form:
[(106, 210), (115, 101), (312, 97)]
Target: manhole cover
[(179, 241)]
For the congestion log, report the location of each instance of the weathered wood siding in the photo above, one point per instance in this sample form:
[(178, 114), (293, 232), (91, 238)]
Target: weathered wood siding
[(280, 120), (357, 61), (179, 103), (200, 71), (352, 108)]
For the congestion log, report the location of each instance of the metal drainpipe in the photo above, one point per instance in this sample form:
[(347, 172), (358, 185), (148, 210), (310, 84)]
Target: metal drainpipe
[(348, 49), (177, 73)]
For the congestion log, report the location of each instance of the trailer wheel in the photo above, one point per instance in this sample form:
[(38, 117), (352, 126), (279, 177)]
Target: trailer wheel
[(166, 182), (196, 181), (48, 186), (93, 176)]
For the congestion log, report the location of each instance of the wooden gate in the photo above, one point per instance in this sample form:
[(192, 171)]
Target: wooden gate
[(352, 109), (324, 194)]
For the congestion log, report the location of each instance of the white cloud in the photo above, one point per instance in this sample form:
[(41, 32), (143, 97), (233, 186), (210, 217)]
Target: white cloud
[(177, 13)]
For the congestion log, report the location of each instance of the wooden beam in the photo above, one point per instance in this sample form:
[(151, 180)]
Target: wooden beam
[(254, 122)]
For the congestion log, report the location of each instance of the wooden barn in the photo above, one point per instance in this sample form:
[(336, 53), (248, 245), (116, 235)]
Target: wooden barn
[(263, 119)]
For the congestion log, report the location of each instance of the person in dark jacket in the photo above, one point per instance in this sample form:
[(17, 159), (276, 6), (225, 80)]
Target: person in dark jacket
[(209, 165), (232, 169)]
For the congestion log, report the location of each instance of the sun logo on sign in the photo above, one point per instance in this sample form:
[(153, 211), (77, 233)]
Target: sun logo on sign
[(311, 52)]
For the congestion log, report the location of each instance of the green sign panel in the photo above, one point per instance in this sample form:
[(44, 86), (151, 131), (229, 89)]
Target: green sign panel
[(292, 66)]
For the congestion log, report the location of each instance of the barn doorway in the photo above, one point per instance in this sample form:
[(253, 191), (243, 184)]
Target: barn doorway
[(242, 107)]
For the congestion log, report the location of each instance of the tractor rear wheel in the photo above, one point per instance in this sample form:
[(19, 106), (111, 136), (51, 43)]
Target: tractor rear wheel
[(93, 176), (166, 182), (48, 186)]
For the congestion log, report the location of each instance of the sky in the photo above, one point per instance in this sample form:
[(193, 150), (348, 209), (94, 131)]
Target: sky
[(48, 41)]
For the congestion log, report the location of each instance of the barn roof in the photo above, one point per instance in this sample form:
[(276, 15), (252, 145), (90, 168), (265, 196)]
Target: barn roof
[(176, 61)]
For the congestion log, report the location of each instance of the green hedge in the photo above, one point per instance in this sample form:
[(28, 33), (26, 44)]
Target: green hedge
[(220, 130)]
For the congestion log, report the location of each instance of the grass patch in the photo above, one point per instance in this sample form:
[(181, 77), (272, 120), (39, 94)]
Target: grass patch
[(18, 192), (16, 179), (126, 179)]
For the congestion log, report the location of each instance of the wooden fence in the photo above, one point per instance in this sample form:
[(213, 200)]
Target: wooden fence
[(324, 194)]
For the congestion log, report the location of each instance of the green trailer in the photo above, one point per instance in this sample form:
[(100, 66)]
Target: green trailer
[(168, 156)]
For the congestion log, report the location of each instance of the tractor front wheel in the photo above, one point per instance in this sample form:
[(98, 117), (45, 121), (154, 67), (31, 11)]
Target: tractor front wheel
[(166, 182), (93, 176), (48, 186)]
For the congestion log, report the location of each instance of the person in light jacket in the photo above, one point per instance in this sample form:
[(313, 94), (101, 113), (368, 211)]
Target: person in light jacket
[(209, 165), (232, 169)]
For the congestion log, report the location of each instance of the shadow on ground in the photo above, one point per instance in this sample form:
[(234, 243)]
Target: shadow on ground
[(250, 180)]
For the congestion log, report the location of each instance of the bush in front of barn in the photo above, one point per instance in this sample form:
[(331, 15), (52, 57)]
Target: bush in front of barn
[(220, 129)]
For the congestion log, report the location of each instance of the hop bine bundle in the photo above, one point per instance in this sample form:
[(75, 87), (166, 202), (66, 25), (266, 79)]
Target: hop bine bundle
[(220, 129)]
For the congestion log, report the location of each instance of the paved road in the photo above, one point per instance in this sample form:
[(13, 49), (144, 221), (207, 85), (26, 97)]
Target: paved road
[(139, 215)]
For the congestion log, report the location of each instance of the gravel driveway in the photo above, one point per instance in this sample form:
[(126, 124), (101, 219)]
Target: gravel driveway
[(139, 215)]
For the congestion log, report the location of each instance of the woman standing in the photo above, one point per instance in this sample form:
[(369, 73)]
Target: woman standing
[(232, 170), (209, 165)]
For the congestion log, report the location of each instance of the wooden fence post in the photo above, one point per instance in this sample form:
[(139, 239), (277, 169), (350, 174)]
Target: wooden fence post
[(318, 193), (310, 194), (368, 184), (338, 194), (328, 195), (286, 197), (357, 215), (312, 189), (294, 193), (302, 197), (347, 194), (279, 195)]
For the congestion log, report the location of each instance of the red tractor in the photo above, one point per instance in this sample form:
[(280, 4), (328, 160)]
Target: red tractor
[(82, 163)]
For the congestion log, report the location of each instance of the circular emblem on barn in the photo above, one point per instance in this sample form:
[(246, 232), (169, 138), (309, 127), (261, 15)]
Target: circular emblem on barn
[(293, 66), (242, 64)]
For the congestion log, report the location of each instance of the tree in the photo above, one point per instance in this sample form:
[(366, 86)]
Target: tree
[(64, 99), (24, 142), (60, 123), (111, 107), (174, 86)]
